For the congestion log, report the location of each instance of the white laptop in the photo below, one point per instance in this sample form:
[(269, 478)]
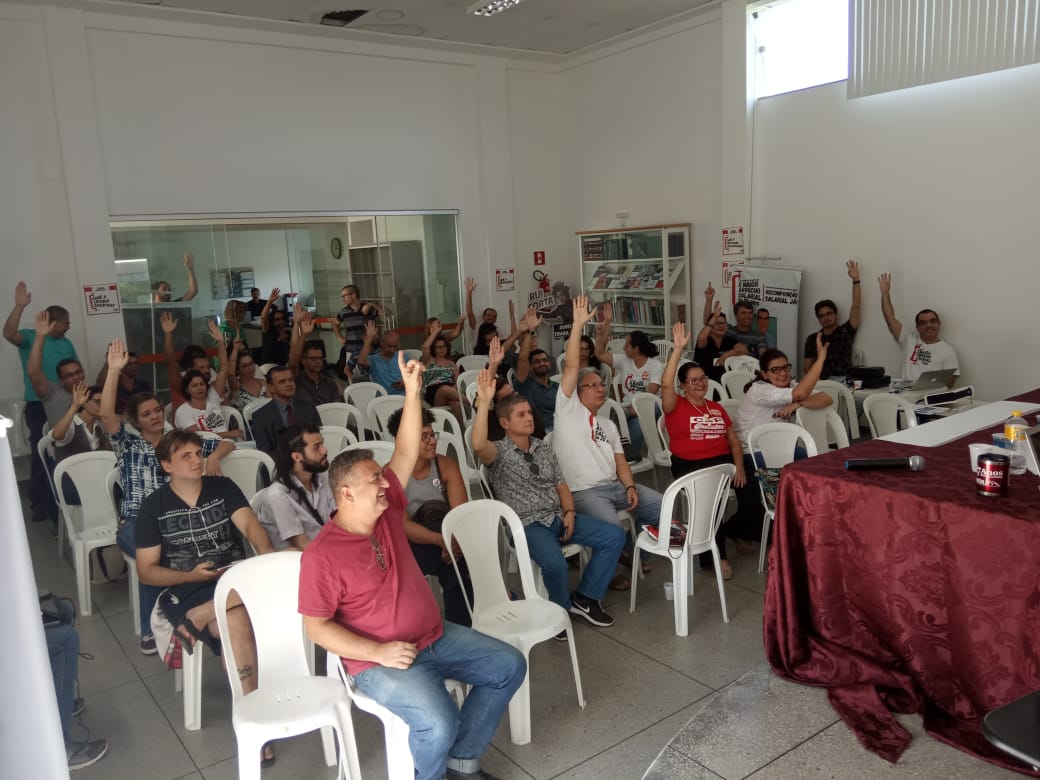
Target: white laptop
[(929, 380)]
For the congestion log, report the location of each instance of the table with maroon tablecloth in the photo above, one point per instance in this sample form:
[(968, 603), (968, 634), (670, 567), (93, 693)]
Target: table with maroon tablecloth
[(907, 592)]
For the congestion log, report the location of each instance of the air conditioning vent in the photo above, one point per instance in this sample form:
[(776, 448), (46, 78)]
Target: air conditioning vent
[(341, 18)]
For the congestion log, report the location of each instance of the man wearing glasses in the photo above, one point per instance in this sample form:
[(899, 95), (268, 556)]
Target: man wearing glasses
[(589, 447), (363, 597), (922, 347), (526, 474)]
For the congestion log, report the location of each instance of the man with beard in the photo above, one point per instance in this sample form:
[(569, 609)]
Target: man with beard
[(295, 507), (532, 371)]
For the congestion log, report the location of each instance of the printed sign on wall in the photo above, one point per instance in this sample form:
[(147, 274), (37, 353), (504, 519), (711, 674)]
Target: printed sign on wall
[(505, 279), (733, 241), (102, 298)]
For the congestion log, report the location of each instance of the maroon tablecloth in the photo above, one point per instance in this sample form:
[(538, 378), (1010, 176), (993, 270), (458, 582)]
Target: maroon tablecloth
[(906, 592)]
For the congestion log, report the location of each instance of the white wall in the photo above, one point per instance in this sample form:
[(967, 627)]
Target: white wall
[(935, 184)]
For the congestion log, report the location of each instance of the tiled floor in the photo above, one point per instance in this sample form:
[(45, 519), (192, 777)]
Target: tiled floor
[(703, 706)]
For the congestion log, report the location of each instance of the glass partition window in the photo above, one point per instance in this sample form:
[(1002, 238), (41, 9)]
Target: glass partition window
[(406, 263)]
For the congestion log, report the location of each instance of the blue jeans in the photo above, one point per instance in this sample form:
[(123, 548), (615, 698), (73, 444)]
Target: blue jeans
[(146, 594), (63, 649), (439, 731), (606, 540), (603, 502)]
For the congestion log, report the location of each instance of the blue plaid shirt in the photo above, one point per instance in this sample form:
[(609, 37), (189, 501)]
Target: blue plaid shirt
[(139, 471)]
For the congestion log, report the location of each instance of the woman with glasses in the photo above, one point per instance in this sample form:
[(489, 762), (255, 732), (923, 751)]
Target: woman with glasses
[(701, 435), (441, 372), (246, 386)]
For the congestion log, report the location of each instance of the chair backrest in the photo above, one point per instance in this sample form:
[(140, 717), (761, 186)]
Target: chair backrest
[(559, 361), (268, 586), (265, 367), (168, 412), (45, 450), (730, 405), (412, 354), (776, 443), (230, 413), (250, 409), (476, 526), (337, 438), (664, 349), (88, 472), (113, 489), (471, 363), (344, 415), (647, 406), (612, 410), (466, 384), (662, 431), (616, 346), (844, 404), (379, 411), (450, 445), (616, 389), (741, 363), (443, 420), (607, 373), (382, 451), (824, 425), (243, 468), (359, 394), (705, 493), (735, 381), (883, 411), (716, 391)]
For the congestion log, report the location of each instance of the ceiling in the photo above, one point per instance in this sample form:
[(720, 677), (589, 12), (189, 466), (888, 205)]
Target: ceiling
[(546, 26)]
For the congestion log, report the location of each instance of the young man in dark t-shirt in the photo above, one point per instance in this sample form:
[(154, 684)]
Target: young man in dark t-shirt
[(837, 337)]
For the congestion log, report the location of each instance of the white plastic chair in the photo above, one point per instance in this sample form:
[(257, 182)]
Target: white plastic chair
[(664, 348), (471, 363), (883, 411), (344, 415), (705, 492), (735, 381), (824, 425), (250, 409), (382, 451), (111, 483), (92, 523), (289, 699), (612, 410), (462, 383), (741, 363), (844, 404), (412, 354), (522, 623), (616, 346), (716, 391), (616, 390), (731, 405), (230, 413), (243, 468), (774, 444), (359, 394), (471, 403), (379, 411), (337, 438), (647, 406), (45, 452), (265, 367)]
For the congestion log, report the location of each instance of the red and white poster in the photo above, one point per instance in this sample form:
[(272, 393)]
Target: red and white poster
[(102, 298), (505, 279), (733, 241)]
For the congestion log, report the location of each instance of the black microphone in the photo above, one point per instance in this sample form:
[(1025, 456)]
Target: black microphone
[(913, 463)]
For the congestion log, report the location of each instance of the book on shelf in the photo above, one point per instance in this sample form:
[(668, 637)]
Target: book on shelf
[(630, 276)]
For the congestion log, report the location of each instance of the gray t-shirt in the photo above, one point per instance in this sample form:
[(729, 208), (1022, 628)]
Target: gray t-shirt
[(527, 481), (56, 403)]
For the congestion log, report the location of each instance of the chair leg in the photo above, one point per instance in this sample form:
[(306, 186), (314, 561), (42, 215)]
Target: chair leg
[(349, 763), (81, 562), (61, 533), (399, 764), (718, 578), (574, 663), (520, 708), (635, 580), (193, 688), (249, 757), (680, 594), (135, 593), (767, 520)]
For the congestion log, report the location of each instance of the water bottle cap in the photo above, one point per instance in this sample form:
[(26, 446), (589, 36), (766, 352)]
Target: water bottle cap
[(1016, 413)]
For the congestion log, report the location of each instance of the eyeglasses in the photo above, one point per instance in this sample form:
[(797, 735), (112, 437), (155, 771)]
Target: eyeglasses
[(430, 436), (779, 369), (379, 553), (696, 380), (529, 459), (593, 385)]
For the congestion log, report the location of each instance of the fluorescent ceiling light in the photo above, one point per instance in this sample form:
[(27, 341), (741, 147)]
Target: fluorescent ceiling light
[(137, 260), (491, 7)]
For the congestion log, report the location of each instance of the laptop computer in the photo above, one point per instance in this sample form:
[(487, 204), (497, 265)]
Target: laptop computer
[(929, 380)]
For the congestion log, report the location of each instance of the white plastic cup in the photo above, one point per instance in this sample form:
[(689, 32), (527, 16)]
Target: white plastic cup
[(669, 592), (981, 449)]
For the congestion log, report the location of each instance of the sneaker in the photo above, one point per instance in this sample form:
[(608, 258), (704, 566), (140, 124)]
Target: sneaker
[(480, 774), (83, 754), (147, 646), (590, 610), (78, 705)]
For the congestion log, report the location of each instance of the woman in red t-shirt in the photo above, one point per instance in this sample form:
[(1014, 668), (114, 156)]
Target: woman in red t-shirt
[(700, 432)]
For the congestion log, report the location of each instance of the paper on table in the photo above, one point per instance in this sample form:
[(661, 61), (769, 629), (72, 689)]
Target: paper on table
[(938, 432)]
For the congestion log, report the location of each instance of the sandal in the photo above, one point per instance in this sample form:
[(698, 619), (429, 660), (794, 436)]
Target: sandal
[(727, 570), (193, 635), (744, 547), (620, 582), (646, 567), (267, 756)]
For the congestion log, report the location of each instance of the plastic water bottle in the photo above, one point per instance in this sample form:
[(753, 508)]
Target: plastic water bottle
[(1015, 428)]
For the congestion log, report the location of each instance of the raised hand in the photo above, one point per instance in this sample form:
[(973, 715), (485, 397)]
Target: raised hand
[(117, 355), (821, 345), (716, 312), (274, 295), (471, 284), (680, 337), (189, 261), (411, 374), (512, 309), (885, 283), (608, 313), (496, 354), (435, 326), (532, 318), (80, 394), (709, 291), (580, 311), (214, 331), (371, 331), (167, 322), (22, 296), (485, 387), (43, 323), (307, 323), (853, 268)]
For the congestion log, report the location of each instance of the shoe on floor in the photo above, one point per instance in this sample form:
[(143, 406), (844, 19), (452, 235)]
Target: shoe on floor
[(744, 547), (590, 609), (83, 754), (147, 646), (78, 705), (480, 774), (562, 636)]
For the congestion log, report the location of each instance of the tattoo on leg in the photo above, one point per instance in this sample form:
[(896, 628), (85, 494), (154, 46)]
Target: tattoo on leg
[(245, 672)]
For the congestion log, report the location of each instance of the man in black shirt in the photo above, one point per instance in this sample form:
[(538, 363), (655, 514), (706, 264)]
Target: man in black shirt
[(838, 337)]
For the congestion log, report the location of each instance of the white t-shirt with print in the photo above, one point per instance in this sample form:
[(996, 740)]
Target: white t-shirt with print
[(584, 444), (920, 357), (757, 407), (635, 379), (208, 419)]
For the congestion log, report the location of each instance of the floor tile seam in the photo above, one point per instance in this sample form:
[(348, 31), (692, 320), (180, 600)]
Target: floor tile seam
[(511, 760), (793, 747), (605, 633)]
